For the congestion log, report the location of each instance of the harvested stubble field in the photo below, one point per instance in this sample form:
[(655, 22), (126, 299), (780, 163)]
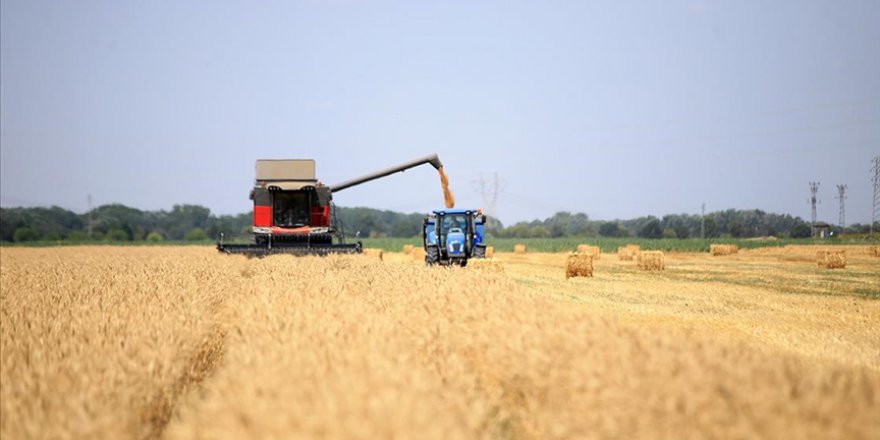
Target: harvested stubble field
[(184, 343)]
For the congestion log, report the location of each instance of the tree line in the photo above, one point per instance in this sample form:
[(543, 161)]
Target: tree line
[(118, 222), (730, 223)]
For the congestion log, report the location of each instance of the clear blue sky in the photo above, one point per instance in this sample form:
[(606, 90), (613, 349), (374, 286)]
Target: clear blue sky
[(616, 109)]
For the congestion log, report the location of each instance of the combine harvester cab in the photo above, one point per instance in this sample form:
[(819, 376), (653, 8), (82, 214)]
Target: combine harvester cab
[(453, 236), (293, 211)]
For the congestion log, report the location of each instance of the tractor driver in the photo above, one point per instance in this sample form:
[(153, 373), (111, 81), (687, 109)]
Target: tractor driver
[(453, 222)]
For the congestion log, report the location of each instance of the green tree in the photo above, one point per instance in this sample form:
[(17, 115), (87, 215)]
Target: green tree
[(493, 225), (711, 227), (681, 230), (651, 229), (184, 218), (154, 237), (52, 235), (609, 229), (800, 231), (196, 234), (519, 230), (77, 236), (25, 233), (116, 235), (539, 232), (735, 229)]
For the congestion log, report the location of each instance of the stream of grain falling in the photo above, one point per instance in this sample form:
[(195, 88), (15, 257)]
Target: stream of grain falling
[(447, 194)]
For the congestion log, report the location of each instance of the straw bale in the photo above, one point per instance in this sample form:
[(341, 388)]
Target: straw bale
[(418, 254), (831, 259), (487, 264), (723, 249), (628, 252), (593, 251), (519, 248), (407, 249), (579, 265), (650, 260)]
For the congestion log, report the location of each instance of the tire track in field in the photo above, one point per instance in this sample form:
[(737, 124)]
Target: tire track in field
[(200, 366)]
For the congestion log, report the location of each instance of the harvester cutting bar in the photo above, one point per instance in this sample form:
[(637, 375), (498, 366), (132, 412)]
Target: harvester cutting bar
[(257, 250)]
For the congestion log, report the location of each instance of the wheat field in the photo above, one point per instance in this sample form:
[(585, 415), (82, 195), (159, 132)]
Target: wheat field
[(183, 343)]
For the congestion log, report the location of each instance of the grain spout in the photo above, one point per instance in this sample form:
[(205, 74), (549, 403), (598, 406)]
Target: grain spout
[(447, 194)]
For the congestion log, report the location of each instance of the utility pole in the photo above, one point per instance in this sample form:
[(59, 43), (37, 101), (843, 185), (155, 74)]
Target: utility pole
[(814, 188), (489, 193), (875, 207), (703, 221), (841, 195)]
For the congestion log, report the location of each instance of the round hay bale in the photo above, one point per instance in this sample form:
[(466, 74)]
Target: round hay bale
[(519, 248), (579, 265), (407, 249)]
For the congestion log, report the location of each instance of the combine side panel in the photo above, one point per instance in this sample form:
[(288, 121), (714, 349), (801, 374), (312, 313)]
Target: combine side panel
[(262, 207)]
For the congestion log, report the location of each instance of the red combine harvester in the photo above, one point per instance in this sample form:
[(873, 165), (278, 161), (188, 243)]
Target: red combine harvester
[(294, 212)]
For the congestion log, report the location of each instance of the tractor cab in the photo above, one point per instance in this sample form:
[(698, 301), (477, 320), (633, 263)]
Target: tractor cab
[(452, 236)]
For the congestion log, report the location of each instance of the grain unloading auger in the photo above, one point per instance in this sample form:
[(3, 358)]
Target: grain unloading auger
[(294, 213)]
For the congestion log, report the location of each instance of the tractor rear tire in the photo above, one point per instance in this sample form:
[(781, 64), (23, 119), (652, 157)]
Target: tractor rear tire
[(432, 256), (480, 251)]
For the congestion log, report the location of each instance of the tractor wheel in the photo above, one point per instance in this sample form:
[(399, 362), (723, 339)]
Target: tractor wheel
[(479, 251), (432, 256)]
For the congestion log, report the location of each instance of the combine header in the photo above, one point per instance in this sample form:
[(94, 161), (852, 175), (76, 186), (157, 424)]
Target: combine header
[(294, 213)]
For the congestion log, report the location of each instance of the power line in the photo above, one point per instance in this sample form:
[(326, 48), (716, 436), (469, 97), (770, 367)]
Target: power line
[(814, 188), (489, 192), (841, 195)]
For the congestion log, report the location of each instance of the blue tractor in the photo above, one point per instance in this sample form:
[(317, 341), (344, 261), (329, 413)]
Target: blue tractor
[(452, 236)]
